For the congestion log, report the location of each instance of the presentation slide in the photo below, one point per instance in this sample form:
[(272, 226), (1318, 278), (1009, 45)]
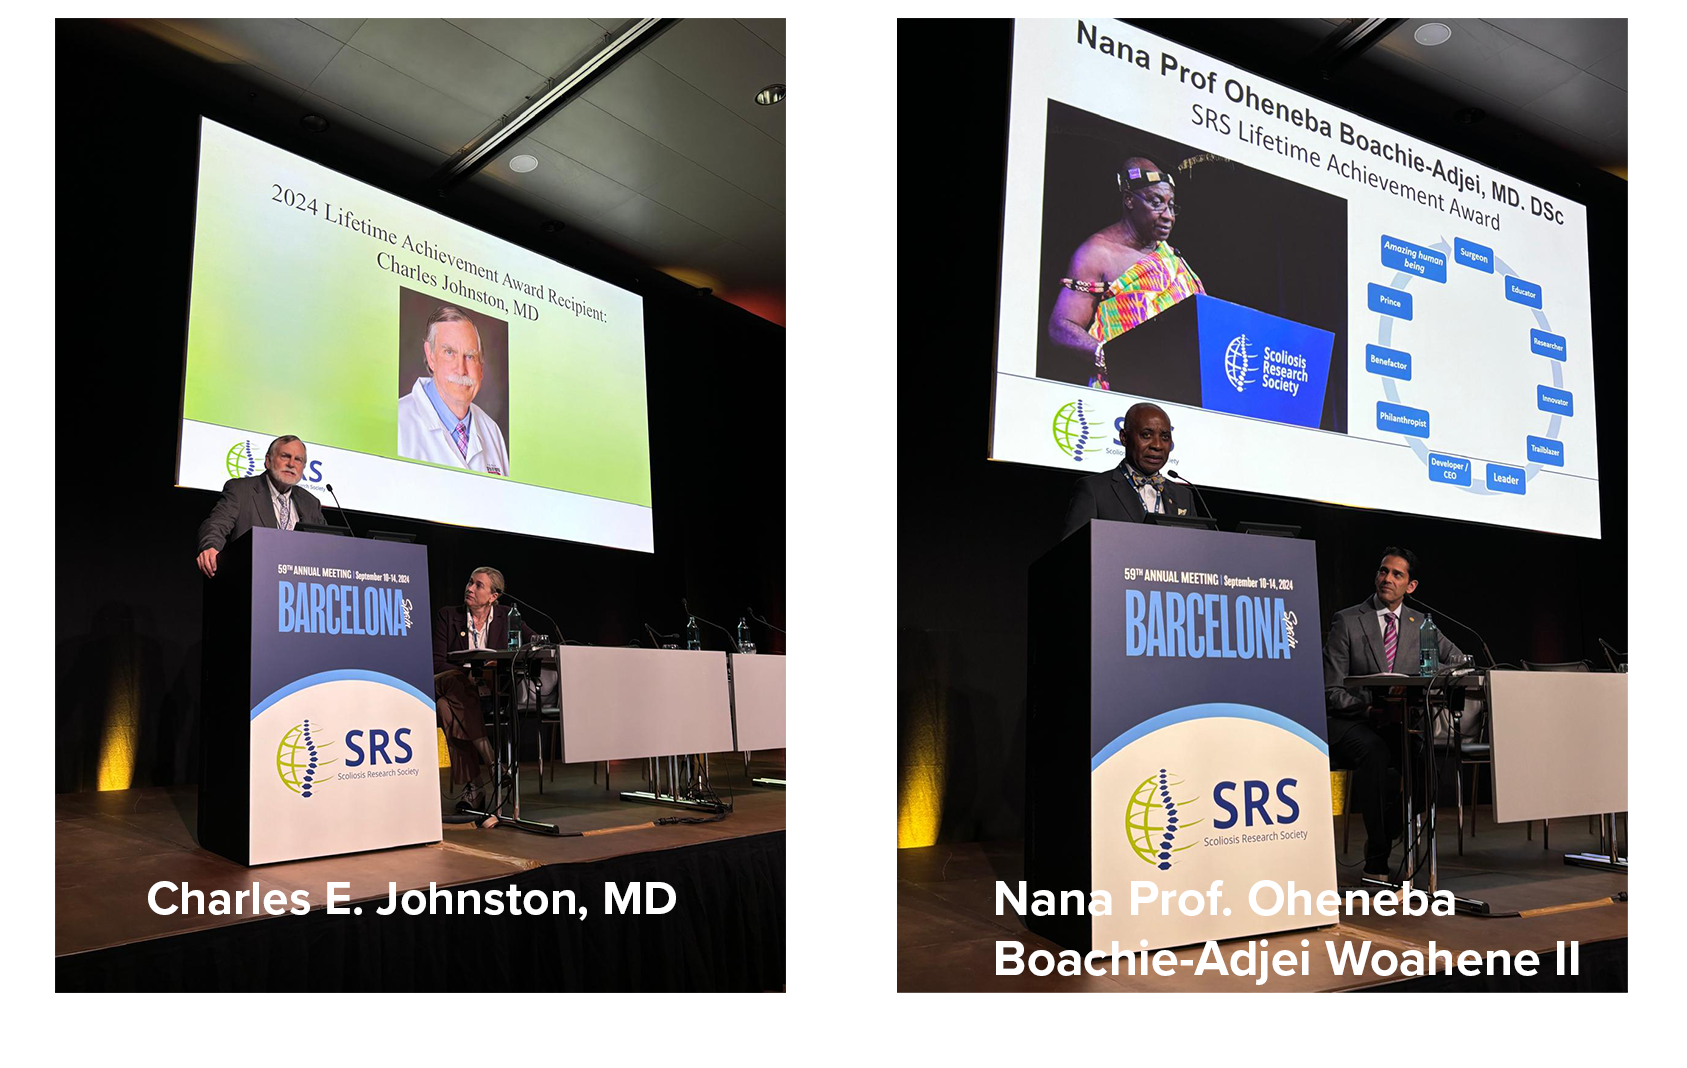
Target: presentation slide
[(1326, 308), (432, 370)]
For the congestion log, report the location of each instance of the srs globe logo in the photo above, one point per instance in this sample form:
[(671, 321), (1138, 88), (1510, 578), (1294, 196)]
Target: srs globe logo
[(1072, 430), (242, 461), (1154, 817), (298, 760), (1238, 362)]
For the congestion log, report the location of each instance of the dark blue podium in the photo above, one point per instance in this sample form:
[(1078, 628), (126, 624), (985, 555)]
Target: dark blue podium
[(1175, 730), (317, 717)]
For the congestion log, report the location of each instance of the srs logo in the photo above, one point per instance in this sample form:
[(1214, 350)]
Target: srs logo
[(302, 763), (1072, 430), (1239, 362), (1156, 817), (1256, 798)]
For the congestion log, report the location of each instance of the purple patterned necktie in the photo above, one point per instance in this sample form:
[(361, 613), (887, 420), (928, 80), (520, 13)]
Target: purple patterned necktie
[(1390, 640), (462, 436)]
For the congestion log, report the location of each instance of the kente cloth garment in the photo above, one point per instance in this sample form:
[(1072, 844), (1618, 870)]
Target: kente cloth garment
[(1151, 285)]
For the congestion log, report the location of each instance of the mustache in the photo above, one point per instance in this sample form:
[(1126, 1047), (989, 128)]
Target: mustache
[(457, 380)]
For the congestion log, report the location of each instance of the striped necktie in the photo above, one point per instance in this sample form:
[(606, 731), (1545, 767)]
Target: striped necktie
[(461, 434), (1390, 641)]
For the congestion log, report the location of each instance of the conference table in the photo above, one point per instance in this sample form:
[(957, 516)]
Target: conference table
[(669, 707), (1559, 748)]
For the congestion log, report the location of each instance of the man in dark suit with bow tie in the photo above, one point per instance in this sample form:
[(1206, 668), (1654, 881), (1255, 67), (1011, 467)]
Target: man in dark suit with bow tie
[(1377, 635), (1129, 492), (271, 499)]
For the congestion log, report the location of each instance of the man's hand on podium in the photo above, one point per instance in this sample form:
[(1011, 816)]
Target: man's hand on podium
[(208, 563)]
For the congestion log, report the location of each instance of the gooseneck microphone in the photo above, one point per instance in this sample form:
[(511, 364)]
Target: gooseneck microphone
[(763, 622), (531, 608), (1427, 607), (1197, 489), (329, 486)]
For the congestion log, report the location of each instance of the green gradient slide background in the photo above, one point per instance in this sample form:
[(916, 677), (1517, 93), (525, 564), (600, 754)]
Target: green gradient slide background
[(294, 328)]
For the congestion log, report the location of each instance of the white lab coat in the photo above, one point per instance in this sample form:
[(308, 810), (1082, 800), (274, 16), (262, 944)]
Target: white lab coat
[(421, 436)]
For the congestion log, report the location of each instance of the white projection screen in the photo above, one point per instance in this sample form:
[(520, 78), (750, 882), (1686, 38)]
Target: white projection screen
[(325, 308), (1327, 309)]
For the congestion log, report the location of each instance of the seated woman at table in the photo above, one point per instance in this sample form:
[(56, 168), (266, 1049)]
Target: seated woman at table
[(477, 623)]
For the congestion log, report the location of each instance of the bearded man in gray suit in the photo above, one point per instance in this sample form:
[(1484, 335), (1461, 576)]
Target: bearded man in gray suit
[(1378, 635), (271, 499)]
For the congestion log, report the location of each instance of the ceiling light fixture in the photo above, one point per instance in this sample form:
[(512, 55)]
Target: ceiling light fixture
[(314, 123), (771, 95), (1431, 34), (523, 163)]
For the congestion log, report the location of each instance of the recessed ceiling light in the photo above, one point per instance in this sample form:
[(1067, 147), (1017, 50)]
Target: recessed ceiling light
[(1431, 34), (523, 163), (771, 95), (314, 123)]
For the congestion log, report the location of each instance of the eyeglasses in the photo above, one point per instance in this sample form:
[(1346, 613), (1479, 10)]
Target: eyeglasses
[(1158, 204)]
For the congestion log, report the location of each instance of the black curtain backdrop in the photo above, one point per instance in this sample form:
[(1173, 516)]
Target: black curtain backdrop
[(128, 597), (968, 529)]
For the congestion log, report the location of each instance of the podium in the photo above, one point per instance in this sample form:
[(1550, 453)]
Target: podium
[(1175, 731), (1224, 357), (317, 709)]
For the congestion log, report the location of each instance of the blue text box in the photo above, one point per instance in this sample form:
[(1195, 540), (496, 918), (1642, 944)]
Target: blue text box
[(1470, 254), (1449, 470), (1546, 451), (1552, 346), (1503, 479), (1395, 302), (1520, 292), (1557, 401), (1414, 259), (1390, 362), (1399, 419)]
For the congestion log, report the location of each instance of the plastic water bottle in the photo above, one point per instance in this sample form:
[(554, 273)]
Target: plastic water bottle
[(515, 627), (745, 645), (1429, 646), (693, 633)]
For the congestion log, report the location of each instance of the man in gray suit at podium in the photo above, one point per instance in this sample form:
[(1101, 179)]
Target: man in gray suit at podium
[(1380, 634), (272, 499), (1132, 490)]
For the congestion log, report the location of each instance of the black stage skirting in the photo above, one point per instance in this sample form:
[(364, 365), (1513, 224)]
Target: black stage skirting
[(727, 932)]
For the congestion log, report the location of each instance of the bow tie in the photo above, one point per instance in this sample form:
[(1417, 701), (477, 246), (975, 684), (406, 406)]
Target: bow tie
[(1158, 481)]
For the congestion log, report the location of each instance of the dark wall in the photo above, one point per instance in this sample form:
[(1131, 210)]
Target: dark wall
[(968, 528), (128, 597)]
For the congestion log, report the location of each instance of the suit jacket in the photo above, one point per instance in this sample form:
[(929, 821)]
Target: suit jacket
[(1110, 495), (1354, 647), (451, 633), (245, 504)]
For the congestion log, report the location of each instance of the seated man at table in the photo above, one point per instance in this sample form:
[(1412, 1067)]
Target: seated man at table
[(477, 623), (1377, 635)]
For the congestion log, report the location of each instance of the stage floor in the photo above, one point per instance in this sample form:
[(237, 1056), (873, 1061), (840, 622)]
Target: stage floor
[(947, 927), (112, 846)]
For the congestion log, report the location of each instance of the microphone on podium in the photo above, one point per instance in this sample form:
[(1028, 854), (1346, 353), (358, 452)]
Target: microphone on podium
[(1179, 478)]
